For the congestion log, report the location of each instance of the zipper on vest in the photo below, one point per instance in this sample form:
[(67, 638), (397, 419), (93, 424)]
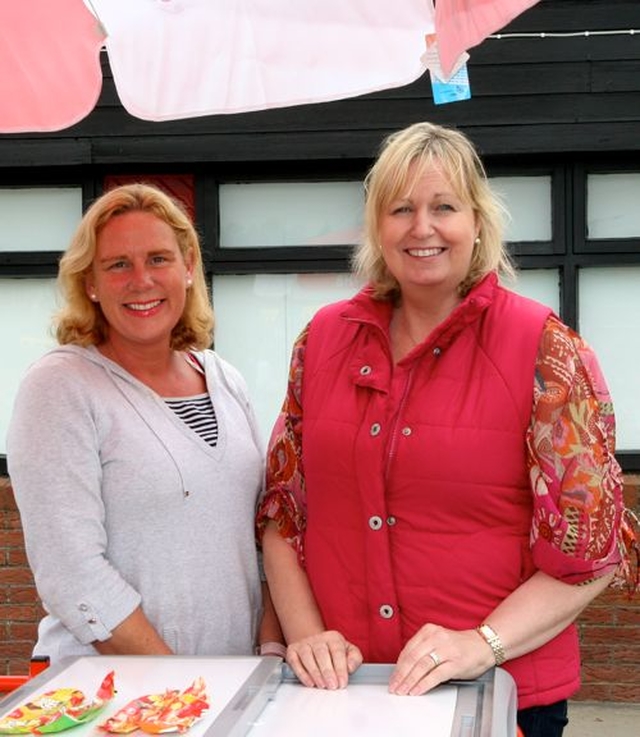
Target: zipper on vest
[(394, 430)]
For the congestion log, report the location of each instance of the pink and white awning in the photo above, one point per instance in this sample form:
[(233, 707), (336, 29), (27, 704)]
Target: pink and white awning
[(175, 59)]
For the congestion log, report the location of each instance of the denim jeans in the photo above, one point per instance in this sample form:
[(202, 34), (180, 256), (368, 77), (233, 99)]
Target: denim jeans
[(544, 721)]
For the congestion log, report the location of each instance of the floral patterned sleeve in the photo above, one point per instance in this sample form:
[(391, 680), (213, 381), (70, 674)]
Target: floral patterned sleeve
[(581, 529), (283, 499)]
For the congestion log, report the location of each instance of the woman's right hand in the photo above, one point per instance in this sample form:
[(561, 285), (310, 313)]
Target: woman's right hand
[(324, 660)]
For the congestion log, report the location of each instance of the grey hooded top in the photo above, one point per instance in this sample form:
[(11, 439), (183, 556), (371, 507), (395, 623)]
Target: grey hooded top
[(123, 505)]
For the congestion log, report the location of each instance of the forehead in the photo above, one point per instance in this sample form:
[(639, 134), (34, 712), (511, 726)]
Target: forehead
[(136, 229), (429, 175)]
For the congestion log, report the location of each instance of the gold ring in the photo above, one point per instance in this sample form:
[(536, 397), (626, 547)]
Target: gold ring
[(436, 660)]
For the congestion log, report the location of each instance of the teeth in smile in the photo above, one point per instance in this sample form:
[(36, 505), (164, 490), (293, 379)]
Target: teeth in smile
[(142, 306), (425, 251)]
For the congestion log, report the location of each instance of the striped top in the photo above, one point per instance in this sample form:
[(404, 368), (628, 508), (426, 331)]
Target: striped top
[(198, 413)]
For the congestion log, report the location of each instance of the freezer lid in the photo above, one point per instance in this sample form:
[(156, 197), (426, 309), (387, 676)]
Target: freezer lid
[(484, 707), (248, 695)]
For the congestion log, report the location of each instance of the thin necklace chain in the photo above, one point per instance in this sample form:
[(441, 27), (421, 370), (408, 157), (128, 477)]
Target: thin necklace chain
[(402, 330)]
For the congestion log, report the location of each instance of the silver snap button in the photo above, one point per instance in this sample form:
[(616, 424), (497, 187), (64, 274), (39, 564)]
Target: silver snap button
[(386, 611), (391, 521), (375, 429), (437, 351), (83, 608), (406, 431), (375, 523), (365, 371)]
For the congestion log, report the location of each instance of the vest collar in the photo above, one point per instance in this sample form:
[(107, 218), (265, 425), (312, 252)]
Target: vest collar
[(362, 308)]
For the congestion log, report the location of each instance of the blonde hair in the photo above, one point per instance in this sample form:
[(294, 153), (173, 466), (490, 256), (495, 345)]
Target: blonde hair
[(389, 178), (80, 321)]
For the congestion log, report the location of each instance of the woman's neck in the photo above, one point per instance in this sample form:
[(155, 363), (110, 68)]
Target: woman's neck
[(414, 320), (165, 371)]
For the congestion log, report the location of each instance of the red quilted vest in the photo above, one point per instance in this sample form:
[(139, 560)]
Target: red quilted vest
[(419, 506)]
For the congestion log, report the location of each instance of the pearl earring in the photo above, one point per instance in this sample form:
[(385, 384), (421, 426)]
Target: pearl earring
[(477, 241), (189, 283), (93, 297)]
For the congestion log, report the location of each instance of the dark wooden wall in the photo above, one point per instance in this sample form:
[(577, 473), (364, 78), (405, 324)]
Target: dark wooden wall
[(529, 96)]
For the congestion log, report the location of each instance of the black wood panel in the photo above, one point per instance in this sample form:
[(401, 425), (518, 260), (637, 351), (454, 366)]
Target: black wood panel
[(572, 15), (529, 95)]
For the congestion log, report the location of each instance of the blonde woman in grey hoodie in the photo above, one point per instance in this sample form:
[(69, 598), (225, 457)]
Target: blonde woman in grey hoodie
[(133, 450)]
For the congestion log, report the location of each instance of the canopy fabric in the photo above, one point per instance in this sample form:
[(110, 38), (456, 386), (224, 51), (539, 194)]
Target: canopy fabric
[(175, 59), (50, 75), (185, 58), (462, 24)]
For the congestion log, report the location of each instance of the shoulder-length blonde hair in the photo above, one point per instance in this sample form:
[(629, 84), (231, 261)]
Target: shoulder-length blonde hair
[(80, 321), (390, 178)]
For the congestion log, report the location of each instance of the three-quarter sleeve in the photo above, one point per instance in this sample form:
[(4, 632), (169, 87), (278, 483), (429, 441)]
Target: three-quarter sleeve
[(580, 529), (54, 462), (283, 499)]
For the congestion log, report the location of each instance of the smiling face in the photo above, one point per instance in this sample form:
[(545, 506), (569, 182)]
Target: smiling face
[(427, 235), (139, 277)]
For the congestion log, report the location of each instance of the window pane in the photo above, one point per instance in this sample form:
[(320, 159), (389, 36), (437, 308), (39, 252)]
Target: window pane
[(24, 337), (542, 285), (39, 219), (528, 200), (613, 205), (609, 306), (290, 214), (257, 320)]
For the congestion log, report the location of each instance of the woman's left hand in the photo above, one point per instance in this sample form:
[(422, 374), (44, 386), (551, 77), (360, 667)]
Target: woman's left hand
[(435, 654)]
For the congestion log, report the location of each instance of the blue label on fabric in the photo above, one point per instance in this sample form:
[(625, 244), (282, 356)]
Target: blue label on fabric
[(455, 89)]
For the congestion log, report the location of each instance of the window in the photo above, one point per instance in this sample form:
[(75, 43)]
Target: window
[(539, 284), (29, 249), (277, 247), (612, 205), (608, 216), (26, 306), (609, 304), (38, 219), (528, 202), (258, 318), (262, 303), (270, 214)]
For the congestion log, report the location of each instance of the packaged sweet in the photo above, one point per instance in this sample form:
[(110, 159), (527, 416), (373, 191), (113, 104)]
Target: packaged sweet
[(171, 711), (57, 710)]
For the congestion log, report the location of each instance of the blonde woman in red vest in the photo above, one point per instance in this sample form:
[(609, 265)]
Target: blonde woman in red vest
[(442, 490)]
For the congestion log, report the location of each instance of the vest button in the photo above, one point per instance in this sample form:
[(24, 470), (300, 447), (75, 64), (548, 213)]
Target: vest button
[(406, 431), (437, 351), (365, 371), (375, 522), (386, 611), (375, 429), (391, 521)]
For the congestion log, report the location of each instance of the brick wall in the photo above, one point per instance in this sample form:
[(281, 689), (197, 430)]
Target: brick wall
[(610, 636), (20, 610), (609, 628)]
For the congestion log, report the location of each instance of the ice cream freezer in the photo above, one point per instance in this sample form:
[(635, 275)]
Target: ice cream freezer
[(260, 697)]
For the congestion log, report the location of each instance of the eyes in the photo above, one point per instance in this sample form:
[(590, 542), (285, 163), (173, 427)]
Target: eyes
[(406, 208), (117, 265), (154, 259)]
